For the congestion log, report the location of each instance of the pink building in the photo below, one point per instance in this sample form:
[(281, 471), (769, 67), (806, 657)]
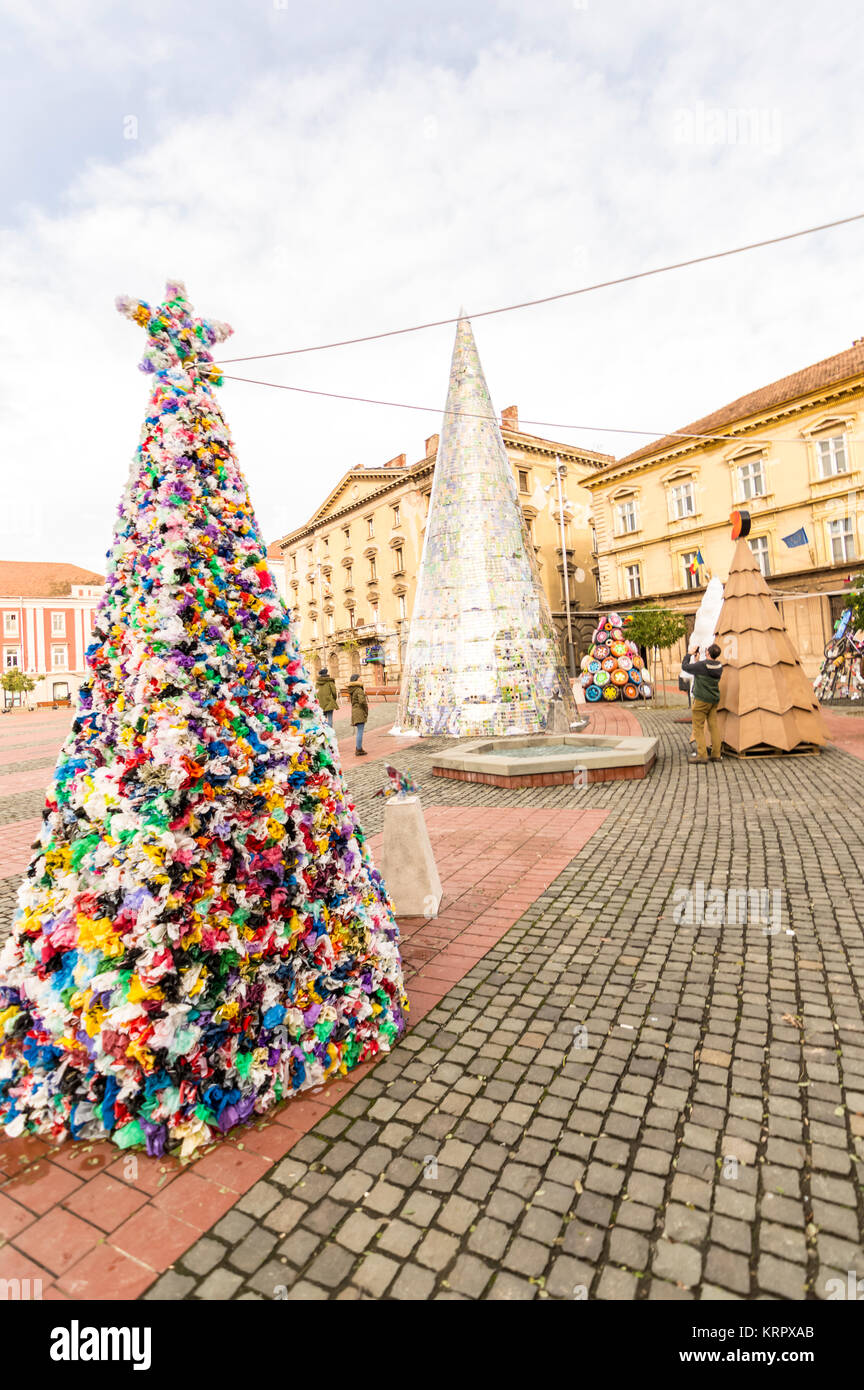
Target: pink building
[(46, 621)]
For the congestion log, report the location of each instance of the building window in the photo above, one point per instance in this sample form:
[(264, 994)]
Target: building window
[(375, 613), (626, 516), (398, 560), (373, 572), (346, 532), (682, 501), (751, 479), (523, 479), (59, 659), (294, 563), (842, 539), (349, 577), (370, 526), (314, 629), (351, 617), (402, 606), (633, 577), (832, 456), (58, 624), (529, 527), (759, 547), (331, 623), (326, 542), (691, 576), (10, 624), (396, 515), (11, 658)]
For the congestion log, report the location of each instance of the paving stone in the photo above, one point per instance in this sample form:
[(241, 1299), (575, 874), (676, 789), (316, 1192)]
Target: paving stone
[(680, 1263), (569, 1278), (780, 1277), (729, 1270), (489, 1238), (203, 1255), (171, 1288), (220, 1285), (469, 1276), (436, 1250), (627, 1248), (331, 1266), (413, 1283), (616, 1285), (375, 1274), (685, 1224), (251, 1253), (457, 1215), (259, 1199), (509, 1289), (233, 1227), (358, 1232)]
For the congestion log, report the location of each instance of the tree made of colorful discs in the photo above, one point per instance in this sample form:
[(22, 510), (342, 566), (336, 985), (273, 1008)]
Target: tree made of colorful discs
[(201, 932), (613, 668)]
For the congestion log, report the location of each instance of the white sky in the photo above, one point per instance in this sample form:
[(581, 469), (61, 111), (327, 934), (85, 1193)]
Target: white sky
[(375, 163)]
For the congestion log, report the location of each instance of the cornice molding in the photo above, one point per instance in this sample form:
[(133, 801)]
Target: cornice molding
[(736, 432)]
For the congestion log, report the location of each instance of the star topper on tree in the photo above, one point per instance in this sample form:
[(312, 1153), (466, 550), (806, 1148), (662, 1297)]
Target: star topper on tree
[(177, 341)]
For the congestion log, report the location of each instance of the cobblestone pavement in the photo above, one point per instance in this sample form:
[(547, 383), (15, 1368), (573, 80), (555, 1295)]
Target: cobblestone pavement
[(616, 1102)]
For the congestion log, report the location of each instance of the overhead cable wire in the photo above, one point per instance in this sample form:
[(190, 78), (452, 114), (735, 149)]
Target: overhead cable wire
[(659, 435), (551, 298)]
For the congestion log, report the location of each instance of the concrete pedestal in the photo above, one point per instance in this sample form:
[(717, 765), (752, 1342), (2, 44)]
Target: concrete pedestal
[(407, 863)]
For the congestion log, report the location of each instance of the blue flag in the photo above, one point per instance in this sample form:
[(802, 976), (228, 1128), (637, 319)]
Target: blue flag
[(797, 538)]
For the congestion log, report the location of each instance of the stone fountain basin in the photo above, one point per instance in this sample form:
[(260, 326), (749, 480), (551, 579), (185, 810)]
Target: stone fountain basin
[(550, 759)]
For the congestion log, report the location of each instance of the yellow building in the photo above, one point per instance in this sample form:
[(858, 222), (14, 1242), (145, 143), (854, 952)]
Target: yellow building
[(350, 573), (792, 454)]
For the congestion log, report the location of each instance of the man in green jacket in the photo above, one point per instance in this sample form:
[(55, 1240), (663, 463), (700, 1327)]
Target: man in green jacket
[(706, 696), (328, 697), (359, 713)]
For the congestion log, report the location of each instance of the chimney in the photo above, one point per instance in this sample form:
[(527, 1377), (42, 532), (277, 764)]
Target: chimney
[(397, 462), (510, 418), (431, 445)]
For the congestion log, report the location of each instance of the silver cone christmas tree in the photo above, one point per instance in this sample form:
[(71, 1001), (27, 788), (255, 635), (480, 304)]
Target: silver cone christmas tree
[(483, 655)]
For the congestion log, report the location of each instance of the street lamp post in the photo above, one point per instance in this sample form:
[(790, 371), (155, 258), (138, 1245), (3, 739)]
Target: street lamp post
[(561, 471)]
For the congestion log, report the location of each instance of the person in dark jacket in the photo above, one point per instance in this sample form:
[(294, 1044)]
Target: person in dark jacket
[(328, 697), (706, 696), (359, 713)]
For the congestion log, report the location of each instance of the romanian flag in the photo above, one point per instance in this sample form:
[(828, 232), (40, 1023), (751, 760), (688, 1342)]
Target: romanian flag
[(694, 564)]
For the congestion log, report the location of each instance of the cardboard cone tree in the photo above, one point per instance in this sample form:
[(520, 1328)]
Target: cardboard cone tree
[(766, 701), (201, 932), (483, 655)]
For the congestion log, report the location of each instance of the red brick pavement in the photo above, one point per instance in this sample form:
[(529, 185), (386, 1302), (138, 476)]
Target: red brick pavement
[(93, 1223), (845, 731)]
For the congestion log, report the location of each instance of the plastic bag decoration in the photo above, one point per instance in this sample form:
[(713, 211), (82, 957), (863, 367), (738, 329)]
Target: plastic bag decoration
[(201, 932)]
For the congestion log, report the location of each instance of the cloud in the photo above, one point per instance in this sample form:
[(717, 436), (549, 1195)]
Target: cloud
[(357, 191)]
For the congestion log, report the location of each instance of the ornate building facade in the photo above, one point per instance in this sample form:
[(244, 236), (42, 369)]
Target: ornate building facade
[(46, 620), (350, 572), (793, 455)]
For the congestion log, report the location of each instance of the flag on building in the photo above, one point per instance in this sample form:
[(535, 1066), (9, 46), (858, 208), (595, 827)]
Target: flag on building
[(797, 538)]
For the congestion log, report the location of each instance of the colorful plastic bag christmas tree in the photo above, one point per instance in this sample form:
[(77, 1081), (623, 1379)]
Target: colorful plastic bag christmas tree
[(841, 675), (201, 932), (613, 668)]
